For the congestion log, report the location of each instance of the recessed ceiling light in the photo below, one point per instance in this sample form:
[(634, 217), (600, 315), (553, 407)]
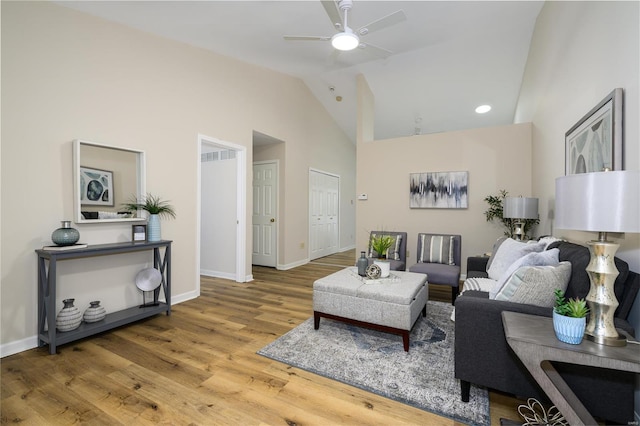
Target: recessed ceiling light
[(483, 108)]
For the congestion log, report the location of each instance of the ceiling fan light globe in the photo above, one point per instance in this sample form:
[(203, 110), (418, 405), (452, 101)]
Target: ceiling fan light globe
[(345, 41)]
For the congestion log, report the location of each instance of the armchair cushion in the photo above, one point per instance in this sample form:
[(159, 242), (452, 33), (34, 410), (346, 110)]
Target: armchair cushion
[(436, 249)]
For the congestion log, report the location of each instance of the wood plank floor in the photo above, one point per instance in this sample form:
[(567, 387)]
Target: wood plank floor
[(199, 367)]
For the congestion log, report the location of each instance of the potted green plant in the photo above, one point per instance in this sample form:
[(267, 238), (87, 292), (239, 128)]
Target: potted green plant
[(381, 243), (569, 318), (156, 208), (495, 211)]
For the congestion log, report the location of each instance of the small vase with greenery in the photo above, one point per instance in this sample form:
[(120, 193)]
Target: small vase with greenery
[(495, 211), (151, 204), (156, 208), (381, 243), (569, 318)]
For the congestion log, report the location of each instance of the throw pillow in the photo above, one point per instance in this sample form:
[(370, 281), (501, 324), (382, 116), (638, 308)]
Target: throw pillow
[(436, 249), (494, 250), (393, 252), (508, 252), (534, 285), (545, 258)]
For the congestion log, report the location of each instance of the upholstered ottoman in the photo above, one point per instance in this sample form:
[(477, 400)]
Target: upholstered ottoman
[(391, 305)]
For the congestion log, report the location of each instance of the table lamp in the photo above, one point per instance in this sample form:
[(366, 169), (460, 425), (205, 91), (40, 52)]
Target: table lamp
[(602, 202), (519, 209)]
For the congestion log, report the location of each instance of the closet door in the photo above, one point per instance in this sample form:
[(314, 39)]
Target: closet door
[(324, 214)]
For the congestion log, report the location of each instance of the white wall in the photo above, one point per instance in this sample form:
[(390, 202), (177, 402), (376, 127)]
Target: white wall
[(68, 75), (218, 220), (579, 53)]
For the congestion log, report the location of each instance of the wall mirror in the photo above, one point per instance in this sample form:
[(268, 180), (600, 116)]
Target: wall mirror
[(105, 177)]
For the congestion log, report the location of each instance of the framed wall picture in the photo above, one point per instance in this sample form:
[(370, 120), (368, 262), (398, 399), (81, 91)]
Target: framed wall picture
[(96, 187), (594, 143), (138, 233), (438, 190)]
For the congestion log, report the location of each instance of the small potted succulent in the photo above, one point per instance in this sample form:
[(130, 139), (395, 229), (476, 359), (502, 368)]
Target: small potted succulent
[(381, 243), (569, 318)]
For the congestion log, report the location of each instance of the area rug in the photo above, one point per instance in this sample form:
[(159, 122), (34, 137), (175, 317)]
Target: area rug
[(376, 362)]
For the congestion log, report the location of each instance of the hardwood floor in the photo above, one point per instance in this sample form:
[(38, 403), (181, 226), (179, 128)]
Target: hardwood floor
[(199, 366)]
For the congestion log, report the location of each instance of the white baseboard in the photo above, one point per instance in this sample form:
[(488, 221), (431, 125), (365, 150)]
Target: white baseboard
[(12, 348), (218, 274), (292, 265), (347, 248)]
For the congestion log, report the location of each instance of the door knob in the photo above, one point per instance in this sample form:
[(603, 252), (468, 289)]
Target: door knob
[(272, 220)]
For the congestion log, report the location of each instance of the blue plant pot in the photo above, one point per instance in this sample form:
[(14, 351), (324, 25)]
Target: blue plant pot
[(569, 330), (153, 228)]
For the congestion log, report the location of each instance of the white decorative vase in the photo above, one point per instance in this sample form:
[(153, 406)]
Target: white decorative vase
[(568, 329), (94, 312), (69, 318), (153, 228), (385, 267)]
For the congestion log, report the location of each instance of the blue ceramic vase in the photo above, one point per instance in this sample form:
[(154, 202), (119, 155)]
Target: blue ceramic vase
[(66, 235), (153, 228)]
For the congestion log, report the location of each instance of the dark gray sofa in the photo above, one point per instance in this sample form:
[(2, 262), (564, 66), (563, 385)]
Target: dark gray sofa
[(483, 357)]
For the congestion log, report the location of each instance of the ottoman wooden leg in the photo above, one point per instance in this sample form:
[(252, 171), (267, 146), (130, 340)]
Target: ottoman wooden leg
[(405, 340), (424, 311), (316, 320)]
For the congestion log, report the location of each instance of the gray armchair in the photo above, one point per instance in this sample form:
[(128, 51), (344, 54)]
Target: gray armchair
[(439, 257), (397, 254)]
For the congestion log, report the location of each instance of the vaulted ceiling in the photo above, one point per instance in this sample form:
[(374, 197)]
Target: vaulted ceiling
[(447, 57)]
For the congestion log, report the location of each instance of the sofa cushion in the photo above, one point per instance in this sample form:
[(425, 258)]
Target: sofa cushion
[(508, 252), (494, 250), (535, 285), (436, 249), (545, 258)]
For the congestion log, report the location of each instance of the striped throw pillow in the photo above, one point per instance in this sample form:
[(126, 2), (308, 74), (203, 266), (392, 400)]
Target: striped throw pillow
[(436, 249)]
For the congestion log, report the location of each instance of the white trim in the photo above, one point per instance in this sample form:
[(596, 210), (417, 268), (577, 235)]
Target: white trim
[(292, 265), (217, 274), (241, 205)]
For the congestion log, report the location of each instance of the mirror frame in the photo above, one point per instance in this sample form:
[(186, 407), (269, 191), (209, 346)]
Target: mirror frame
[(140, 174)]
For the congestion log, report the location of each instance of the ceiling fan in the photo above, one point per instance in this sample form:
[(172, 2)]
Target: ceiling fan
[(348, 39)]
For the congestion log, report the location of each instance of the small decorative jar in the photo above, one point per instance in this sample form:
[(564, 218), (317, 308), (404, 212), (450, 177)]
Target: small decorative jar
[(94, 312), (362, 264), (69, 318), (66, 235)]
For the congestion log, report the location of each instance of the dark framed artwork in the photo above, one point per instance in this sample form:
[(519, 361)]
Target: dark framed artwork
[(594, 143), (138, 233), (438, 190), (96, 187)]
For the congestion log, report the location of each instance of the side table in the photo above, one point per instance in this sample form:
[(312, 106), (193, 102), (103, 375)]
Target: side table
[(533, 340)]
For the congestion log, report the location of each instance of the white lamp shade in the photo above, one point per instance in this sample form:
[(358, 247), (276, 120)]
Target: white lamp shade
[(520, 208), (599, 201)]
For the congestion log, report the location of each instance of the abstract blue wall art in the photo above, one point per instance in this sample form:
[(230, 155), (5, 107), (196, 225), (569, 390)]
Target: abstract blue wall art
[(438, 190)]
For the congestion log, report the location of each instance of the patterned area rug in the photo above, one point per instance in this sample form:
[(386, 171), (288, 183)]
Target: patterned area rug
[(376, 362)]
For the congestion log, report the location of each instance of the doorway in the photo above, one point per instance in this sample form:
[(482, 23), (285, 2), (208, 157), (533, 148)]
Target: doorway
[(221, 207), (324, 213), (265, 212)]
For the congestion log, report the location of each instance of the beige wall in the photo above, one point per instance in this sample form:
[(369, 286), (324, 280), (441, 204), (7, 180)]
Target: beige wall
[(67, 75), (496, 158), (579, 53)]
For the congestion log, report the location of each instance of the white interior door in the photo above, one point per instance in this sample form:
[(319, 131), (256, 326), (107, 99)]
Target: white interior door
[(265, 179), (324, 214)]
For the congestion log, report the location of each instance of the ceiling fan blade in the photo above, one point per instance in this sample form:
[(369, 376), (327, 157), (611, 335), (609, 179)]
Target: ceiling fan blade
[(332, 10), (378, 51), (384, 22), (308, 38)]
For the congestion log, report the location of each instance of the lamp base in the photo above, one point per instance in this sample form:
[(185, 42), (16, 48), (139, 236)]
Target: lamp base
[(607, 341), (601, 299)]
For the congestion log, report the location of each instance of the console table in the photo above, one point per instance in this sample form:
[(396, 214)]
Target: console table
[(47, 277), (533, 340)]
